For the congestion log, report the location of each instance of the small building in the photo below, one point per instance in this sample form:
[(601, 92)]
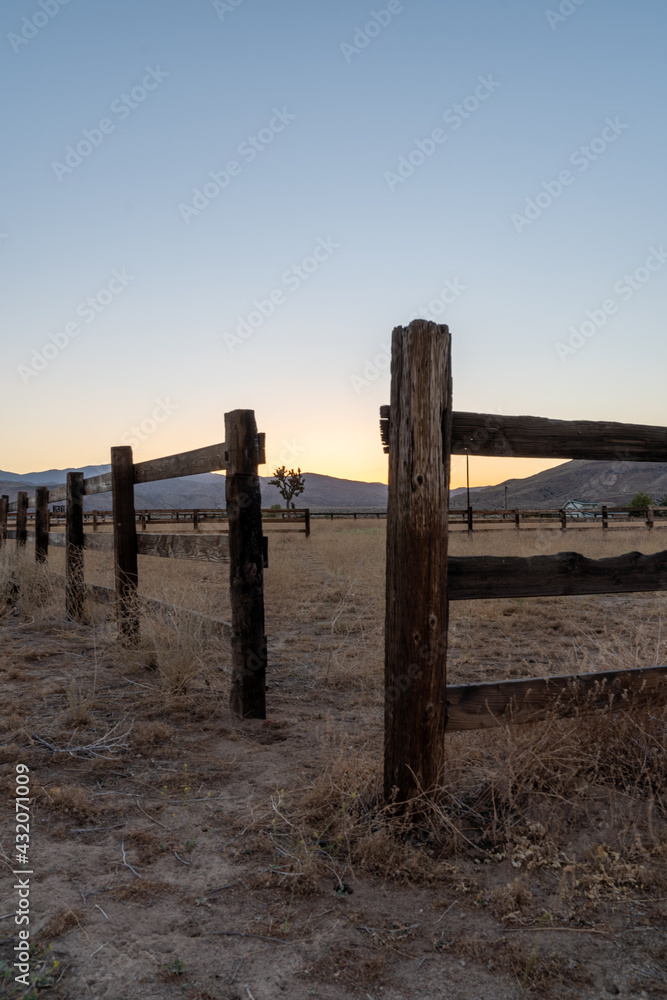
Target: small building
[(579, 508)]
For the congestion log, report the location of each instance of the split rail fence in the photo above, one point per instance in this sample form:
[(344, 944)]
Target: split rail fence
[(243, 547), (420, 431)]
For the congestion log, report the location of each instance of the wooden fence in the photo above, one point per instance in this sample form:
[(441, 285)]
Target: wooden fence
[(197, 516), (420, 431), (243, 547)]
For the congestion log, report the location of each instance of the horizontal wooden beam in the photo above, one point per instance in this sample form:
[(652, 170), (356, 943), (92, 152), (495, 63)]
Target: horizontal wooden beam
[(188, 463), (495, 435), (562, 575), (485, 706), (201, 548)]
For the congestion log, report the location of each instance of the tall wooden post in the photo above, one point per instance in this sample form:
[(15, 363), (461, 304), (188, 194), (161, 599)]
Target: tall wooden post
[(41, 523), (417, 528), (74, 582), (306, 518), (125, 543), (605, 518), (4, 504), (244, 514), (21, 519)]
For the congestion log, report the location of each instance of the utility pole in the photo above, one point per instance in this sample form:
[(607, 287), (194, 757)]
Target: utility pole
[(506, 498), (467, 482)]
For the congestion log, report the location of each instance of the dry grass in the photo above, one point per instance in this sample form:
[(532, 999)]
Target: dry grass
[(555, 826)]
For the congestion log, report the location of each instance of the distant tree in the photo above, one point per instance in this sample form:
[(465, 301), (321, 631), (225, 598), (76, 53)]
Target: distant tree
[(662, 502), (290, 483), (275, 506), (639, 502)]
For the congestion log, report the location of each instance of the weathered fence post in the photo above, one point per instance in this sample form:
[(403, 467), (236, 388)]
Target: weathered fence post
[(517, 519), (74, 581), (21, 518), (605, 518), (4, 504), (649, 517), (125, 542), (41, 523), (246, 580), (563, 520), (94, 520), (469, 518), (307, 521), (195, 520), (417, 527)]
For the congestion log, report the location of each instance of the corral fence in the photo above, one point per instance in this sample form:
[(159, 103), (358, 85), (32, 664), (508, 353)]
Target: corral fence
[(420, 431), (197, 516), (243, 547)]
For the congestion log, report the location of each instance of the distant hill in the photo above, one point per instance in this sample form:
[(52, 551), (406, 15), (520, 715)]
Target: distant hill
[(208, 490), (613, 483)]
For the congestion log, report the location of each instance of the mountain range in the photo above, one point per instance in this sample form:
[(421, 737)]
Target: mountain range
[(613, 483)]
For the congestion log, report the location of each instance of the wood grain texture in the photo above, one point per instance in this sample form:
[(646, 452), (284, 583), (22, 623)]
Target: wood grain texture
[(21, 518), (416, 591), (74, 541), (244, 512), (4, 510), (493, 435), (189, 463), (125, 543), (562, 575), (485, 706), (199, 548), (41, 524)]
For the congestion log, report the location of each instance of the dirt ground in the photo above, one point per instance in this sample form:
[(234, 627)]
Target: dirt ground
[(178, 851)]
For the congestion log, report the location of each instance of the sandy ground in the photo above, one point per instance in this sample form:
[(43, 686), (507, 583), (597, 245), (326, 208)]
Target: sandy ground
[(180, 852)]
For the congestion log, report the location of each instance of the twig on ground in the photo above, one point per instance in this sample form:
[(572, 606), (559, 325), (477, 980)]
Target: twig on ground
[(125, 861), (188, 863), (151, 818), (101, 911)]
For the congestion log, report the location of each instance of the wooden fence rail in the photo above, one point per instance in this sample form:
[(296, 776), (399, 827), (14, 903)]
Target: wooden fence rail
[(420, 430), (243, 547)]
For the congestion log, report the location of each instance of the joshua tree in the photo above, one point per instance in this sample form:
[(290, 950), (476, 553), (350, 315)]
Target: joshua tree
[(290, 483)]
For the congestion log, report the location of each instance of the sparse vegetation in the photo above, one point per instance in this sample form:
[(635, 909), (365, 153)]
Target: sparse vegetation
[(544, 840), (289, 483)]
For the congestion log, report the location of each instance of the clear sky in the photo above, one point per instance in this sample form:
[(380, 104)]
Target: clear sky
[(496, 166)]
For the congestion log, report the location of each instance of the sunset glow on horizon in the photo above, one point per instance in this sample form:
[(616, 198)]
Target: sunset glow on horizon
[(183, 235)]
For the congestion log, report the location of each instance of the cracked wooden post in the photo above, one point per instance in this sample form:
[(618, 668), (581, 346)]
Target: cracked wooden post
[(21, 519), (74, 585), (246, 581), (125, 543), (419, 437), (41, 523)]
